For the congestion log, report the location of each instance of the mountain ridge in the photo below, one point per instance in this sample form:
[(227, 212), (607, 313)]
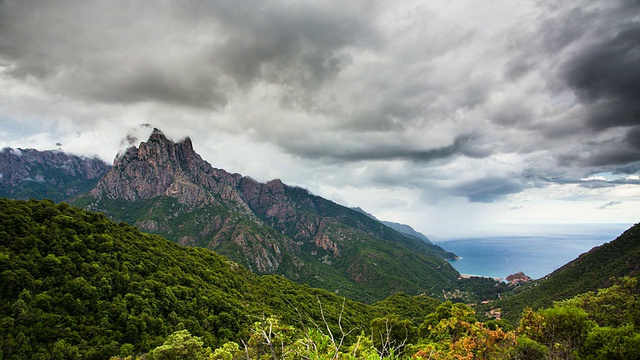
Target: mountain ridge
[(52, 174), (166, 188)]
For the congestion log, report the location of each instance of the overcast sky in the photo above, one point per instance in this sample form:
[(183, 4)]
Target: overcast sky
[(451, 116)]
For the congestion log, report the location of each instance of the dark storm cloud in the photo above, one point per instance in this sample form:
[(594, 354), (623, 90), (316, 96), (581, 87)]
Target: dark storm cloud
[(592, 51), (606, 77), (614, 155), (591, 183), (489, 189), (177, 52), (464, 145), (632, 137)]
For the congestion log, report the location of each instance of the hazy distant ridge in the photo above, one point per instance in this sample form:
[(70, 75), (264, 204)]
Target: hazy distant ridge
[(401, 228)]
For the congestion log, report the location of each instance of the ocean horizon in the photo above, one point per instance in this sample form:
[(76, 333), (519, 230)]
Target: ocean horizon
[(535, 255)]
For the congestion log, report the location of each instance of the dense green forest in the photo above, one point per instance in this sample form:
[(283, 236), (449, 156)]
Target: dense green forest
[(76, 285), (73, 279)]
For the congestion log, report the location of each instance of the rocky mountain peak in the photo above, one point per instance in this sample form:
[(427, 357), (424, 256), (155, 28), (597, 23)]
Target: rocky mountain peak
[(156, 167)]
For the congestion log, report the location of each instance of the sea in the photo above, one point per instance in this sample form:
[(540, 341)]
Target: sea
[(536, 255)]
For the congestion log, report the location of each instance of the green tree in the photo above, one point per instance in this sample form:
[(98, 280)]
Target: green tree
[(228, 351), (612, 343), (561, 329), (180, 345)]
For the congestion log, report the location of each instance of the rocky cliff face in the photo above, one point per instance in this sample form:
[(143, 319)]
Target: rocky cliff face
[(167, 188), (158, 167), (55, 175)]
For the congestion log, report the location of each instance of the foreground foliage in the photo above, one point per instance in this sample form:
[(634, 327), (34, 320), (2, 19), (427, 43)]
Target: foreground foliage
[(596, 325)]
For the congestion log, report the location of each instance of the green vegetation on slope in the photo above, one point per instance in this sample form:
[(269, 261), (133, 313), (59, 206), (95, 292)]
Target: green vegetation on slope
[(590, 271), (76, 283), (374, 262), (599, 325), (78, 286), (378, 260)]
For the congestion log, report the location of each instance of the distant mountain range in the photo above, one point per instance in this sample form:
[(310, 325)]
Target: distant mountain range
[(166, 188), (54, 175)]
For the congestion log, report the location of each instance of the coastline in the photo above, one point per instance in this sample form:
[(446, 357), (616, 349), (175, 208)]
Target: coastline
[(467, 276)]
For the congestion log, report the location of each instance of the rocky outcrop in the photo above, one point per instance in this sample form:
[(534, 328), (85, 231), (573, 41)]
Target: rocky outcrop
[(158, 167), (517, 278), (162, 169)]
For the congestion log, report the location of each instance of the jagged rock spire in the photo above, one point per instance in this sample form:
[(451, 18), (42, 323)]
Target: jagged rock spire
[(157, 167)]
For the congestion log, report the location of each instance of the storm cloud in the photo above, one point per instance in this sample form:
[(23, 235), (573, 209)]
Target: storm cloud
[(476, 103)]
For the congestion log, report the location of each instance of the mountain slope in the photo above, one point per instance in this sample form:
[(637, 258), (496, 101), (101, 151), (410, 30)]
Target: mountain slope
[(77, 285), (590, 271), (55, 175), (166, 188)]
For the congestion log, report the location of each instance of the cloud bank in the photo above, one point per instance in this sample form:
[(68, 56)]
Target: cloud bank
[(491, 103)]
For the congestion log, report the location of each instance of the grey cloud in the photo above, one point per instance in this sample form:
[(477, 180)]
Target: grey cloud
[(293, 43), (615, 153), (632, 138), (558, 32), (488, 189), (608, 68), (606, 76), (558, 29), (609, 204), (178, 53), (627, 169), (463, 145), (513, 114), (516, 68), (592, 184), (590, 51), (106, 51)]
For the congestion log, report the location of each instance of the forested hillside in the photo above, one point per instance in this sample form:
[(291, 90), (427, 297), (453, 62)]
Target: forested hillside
[(75, 282), (76, 285)]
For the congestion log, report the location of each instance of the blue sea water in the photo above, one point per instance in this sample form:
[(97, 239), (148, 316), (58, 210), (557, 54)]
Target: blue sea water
[(536, 256)]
